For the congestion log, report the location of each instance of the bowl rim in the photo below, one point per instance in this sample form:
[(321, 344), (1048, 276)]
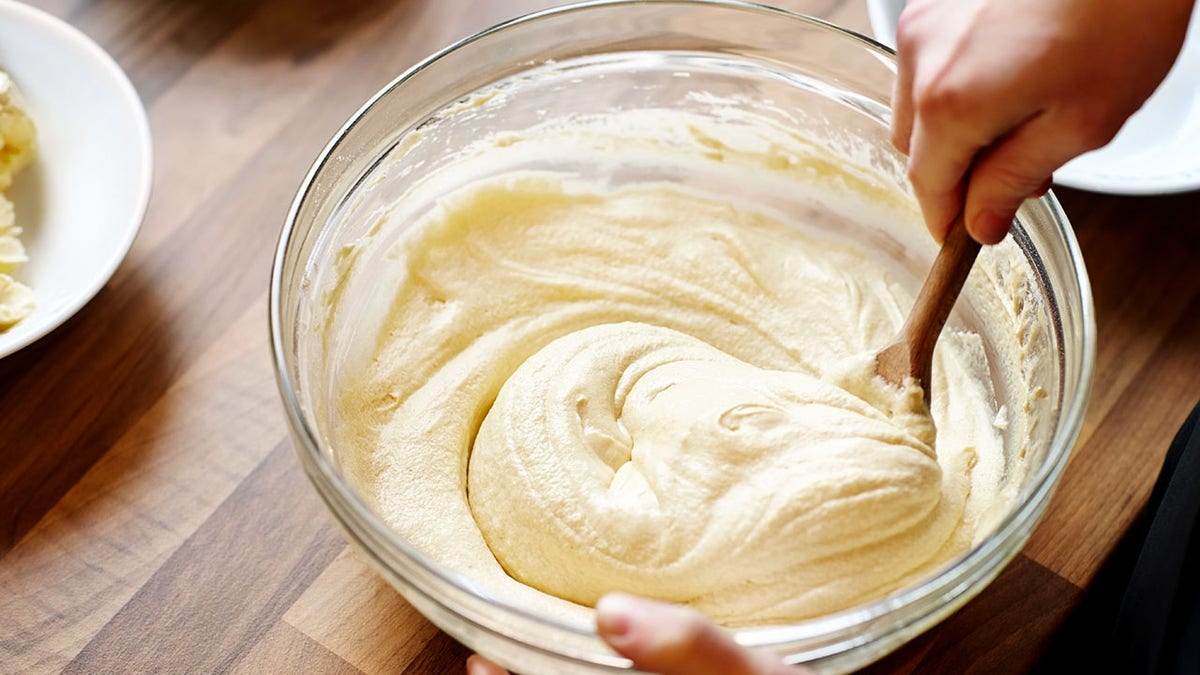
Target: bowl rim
[(125, 215), (339, 496)]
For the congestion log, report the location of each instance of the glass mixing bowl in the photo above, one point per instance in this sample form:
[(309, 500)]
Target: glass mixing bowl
[(703, 58)]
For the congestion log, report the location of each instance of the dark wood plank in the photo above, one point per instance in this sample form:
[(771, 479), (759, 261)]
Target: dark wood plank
[(1141, 259), (156, 42), (1110, 476), (1003, 630), (440, 655), (59, 421), (188, 277), (151, 491), (223, 590)]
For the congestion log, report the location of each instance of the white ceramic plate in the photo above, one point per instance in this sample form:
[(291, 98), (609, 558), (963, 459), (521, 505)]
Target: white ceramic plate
[(1158, 149), (81, 201)]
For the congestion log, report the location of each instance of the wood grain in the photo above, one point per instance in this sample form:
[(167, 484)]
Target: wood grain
[(153, 516), (282, 547), (286, 650), (355, 614)]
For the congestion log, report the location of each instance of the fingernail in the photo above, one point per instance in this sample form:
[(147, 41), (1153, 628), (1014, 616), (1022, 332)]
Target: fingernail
[(990, 227), (615, 615)]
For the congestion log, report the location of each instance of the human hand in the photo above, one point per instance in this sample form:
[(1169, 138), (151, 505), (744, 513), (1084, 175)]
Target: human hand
[(992, 96), (667, 639)]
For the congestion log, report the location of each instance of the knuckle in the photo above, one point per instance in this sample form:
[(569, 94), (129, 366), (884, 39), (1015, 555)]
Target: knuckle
[(1097, 133), (906, 33), (918, 179), (686, 636), (694, 630), (926, 185), (1092, 129), (1011, 183), (915, 22), (943, 97)]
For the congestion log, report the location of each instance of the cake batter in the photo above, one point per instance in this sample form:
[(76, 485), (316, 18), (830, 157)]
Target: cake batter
[(580, 389)]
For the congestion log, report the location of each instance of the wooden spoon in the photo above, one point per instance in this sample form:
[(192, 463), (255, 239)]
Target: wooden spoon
[(910, 354)]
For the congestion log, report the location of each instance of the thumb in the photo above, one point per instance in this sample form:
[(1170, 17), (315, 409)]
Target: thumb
[(1016, 167), (676, 640)]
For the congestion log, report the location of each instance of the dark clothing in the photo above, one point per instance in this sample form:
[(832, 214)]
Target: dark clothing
[(1142, 613)]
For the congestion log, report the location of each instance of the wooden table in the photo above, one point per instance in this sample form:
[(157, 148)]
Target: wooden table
[(153, 516)]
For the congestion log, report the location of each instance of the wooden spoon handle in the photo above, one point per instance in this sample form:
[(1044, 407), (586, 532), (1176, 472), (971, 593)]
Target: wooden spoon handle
[(937, 297)]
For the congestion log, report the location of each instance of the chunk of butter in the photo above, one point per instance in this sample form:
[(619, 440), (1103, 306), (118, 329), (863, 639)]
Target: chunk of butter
[(17, 147)]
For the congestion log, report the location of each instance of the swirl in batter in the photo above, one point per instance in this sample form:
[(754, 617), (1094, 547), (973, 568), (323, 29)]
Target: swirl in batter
[(580, 389)]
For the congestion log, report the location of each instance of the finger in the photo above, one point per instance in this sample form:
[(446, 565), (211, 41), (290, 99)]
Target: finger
[(902, 100), (674, 640), (937, 169), (1007, 173), (477, 665)]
